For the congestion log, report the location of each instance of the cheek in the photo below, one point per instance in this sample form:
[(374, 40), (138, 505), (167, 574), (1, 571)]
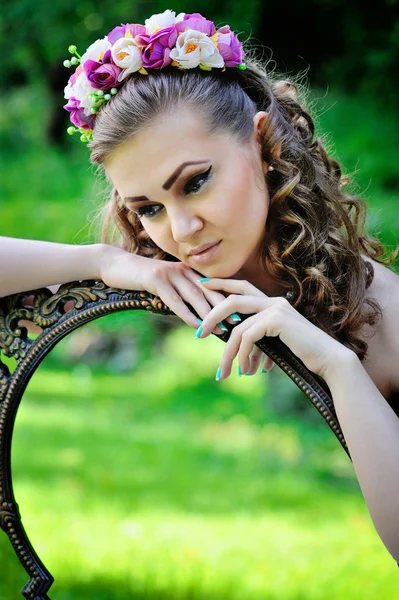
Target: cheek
[(245, 198), (161, 235), (152, 232)]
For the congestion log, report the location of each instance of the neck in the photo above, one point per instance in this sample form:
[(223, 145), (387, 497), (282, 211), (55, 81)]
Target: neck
[(254, 273)]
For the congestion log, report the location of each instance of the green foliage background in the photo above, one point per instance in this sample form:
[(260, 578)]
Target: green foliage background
[(156, 481)]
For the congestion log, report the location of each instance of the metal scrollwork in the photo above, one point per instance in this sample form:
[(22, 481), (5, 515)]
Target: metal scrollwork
[(91, 300)]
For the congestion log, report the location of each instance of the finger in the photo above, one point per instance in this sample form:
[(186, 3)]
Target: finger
[(194, 295), (214, 298), (255, 360), (232, 348), (255, 332), (173, 300), (268, 363), (231, 305)]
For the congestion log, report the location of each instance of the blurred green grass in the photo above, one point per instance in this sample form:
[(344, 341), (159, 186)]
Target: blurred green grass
[(162, 483)]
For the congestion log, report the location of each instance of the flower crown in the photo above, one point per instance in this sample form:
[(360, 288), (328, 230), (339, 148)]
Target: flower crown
[(185, 41)]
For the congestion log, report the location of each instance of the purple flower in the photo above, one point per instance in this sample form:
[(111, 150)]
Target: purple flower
[(102, 75), (197, 22), (230, 47), (156, 56), (77, 116), (120, 31), (157, 47)]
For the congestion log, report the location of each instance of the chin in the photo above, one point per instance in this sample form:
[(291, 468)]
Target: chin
[(219, 271)]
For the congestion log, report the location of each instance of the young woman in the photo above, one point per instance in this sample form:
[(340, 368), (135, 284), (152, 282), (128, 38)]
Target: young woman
[(215, 171)]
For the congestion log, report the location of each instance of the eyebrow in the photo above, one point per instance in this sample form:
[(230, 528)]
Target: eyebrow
[(170, 181)]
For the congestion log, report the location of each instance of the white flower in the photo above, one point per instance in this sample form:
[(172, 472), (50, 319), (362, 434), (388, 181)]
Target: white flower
[(127, 55), (162, 20), (194, 48), (96, 51), (68, 91), (81, 91)]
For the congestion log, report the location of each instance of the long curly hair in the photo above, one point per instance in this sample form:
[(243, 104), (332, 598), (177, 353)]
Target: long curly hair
[(314, 234)]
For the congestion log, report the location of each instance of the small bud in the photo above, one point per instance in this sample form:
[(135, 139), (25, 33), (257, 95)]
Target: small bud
[(72, 49), (242, 66), (71, 130), (100, 93), (74, 60), (107, 97), (83, 137), (66, 63), (113, 91)]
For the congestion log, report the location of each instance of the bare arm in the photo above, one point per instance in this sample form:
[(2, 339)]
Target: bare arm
[(30, 264), (371, 430)]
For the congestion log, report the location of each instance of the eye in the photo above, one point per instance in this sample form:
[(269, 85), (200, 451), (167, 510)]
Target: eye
[(192, 184), (145, 211)]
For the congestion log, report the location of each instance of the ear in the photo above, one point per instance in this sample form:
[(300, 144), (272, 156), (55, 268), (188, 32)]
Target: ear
[(258, 122), (259, 119)]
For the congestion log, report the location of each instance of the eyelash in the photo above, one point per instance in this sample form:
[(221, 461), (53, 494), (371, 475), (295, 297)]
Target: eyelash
[(139, 212)]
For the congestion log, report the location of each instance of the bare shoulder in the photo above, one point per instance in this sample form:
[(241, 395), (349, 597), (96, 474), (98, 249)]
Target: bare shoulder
[(382, 362)]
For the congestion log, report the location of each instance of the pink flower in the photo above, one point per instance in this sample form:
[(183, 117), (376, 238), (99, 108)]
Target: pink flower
[(120, 31), (230, 47), (198, 22), (78, 116), (74, 76), (102, 75), (157, 47)]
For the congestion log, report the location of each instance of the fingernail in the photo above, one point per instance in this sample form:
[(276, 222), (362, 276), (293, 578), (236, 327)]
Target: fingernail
[(235, 317), (198, 332), (204, 279), (222, 326), (199, 320), (239, 371), (218, 372), (265, 371)]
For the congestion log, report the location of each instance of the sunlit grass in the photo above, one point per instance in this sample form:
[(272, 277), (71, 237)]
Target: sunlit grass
[(155, 485)]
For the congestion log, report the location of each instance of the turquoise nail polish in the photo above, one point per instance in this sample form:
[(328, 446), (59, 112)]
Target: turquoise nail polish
[(204, 279), (198, 332), (247, 374), (265, 371), (199, 320), (218, 374), (239, 371), (235, 317), (222, 326)]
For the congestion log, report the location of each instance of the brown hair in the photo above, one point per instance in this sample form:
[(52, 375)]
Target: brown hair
[(313, 244)]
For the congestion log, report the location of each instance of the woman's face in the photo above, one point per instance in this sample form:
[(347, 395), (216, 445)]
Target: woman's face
[(222, 196)]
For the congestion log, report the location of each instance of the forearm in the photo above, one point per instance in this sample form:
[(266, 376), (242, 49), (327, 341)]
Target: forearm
[(30, 264), (371, 430)]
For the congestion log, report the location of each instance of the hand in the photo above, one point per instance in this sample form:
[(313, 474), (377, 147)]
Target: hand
[(173, 282), (274, 316)]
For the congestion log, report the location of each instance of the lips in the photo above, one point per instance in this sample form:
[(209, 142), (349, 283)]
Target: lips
[(203, 248)]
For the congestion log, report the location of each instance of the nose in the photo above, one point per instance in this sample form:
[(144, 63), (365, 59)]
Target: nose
[(184, 225)]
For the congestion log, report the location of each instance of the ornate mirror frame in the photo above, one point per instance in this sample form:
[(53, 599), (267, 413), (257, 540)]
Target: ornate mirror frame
[(92, 299)]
